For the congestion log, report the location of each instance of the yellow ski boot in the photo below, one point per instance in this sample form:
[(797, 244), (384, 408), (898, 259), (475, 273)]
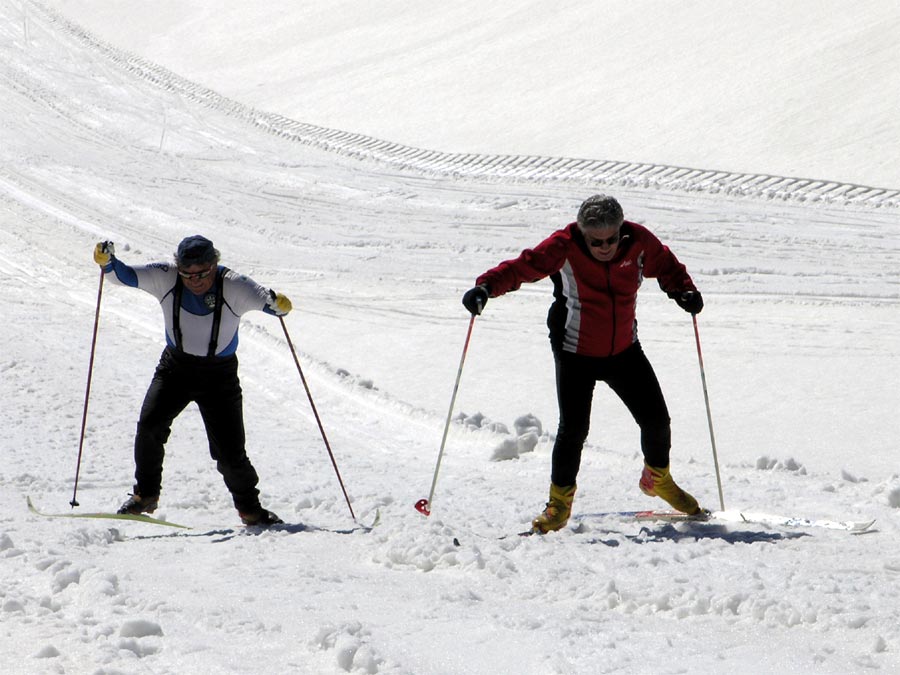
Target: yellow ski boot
[(658, 483), (557, 512)]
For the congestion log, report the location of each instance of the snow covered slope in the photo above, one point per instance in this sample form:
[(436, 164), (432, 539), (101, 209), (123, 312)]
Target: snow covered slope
[(802, 300), (807, 88)]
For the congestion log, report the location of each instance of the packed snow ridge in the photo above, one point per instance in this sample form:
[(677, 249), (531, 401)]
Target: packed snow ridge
[(524, 168)]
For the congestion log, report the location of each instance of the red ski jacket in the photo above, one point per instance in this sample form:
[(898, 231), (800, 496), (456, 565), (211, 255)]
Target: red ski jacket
[(594, 310)]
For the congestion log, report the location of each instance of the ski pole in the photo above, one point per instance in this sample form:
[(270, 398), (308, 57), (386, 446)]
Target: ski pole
[(712, 435), (423, 506), (87, 391), (316, 415)]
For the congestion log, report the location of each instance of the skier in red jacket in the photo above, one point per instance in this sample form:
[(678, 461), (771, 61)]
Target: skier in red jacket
[(597, 265)]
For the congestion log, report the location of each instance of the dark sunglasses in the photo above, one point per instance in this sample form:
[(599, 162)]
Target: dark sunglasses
[(193, 276), (598, 243)]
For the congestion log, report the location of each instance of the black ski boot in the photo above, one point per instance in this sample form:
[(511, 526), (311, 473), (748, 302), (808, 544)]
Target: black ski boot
[(260, 518), (137, 504)]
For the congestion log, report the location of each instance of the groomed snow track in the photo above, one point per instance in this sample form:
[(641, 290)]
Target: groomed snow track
[(524, 168)]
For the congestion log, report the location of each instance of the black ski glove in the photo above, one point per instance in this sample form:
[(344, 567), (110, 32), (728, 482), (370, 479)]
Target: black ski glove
[(475, 299), (689, 301)]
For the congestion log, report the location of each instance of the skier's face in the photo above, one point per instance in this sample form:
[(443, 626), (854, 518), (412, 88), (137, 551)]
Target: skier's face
[(602, 242), (198, 279)]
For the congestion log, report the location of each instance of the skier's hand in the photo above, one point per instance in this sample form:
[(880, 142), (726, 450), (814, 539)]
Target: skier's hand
[(278, 303), (104, 252), (689, 301), (475, 299)]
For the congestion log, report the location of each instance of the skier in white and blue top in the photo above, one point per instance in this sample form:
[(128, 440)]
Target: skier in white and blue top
[(202, 305)]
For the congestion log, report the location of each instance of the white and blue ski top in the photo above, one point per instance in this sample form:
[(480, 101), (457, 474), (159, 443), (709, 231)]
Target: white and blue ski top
[(240, 294)]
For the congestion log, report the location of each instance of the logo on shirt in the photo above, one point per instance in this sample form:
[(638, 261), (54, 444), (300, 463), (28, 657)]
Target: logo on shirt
[(210, 300)]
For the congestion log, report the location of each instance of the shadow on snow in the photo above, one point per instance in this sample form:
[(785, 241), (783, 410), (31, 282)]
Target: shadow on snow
[(696, 531), (226, 534)]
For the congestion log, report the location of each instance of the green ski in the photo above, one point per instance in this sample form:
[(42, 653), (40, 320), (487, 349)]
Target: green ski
[(112, 516)]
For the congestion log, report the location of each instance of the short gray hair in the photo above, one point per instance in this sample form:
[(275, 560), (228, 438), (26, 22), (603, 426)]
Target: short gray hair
[(600, 211)]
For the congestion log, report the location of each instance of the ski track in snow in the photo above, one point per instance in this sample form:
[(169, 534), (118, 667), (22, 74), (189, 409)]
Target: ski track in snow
[(375, 243), (498, 167)]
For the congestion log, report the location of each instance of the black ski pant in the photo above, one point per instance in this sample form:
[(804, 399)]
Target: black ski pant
[(630, 375), (213, 384)]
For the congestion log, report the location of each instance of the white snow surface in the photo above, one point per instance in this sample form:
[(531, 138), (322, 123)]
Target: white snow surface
[(807, 88), (375, 242)]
